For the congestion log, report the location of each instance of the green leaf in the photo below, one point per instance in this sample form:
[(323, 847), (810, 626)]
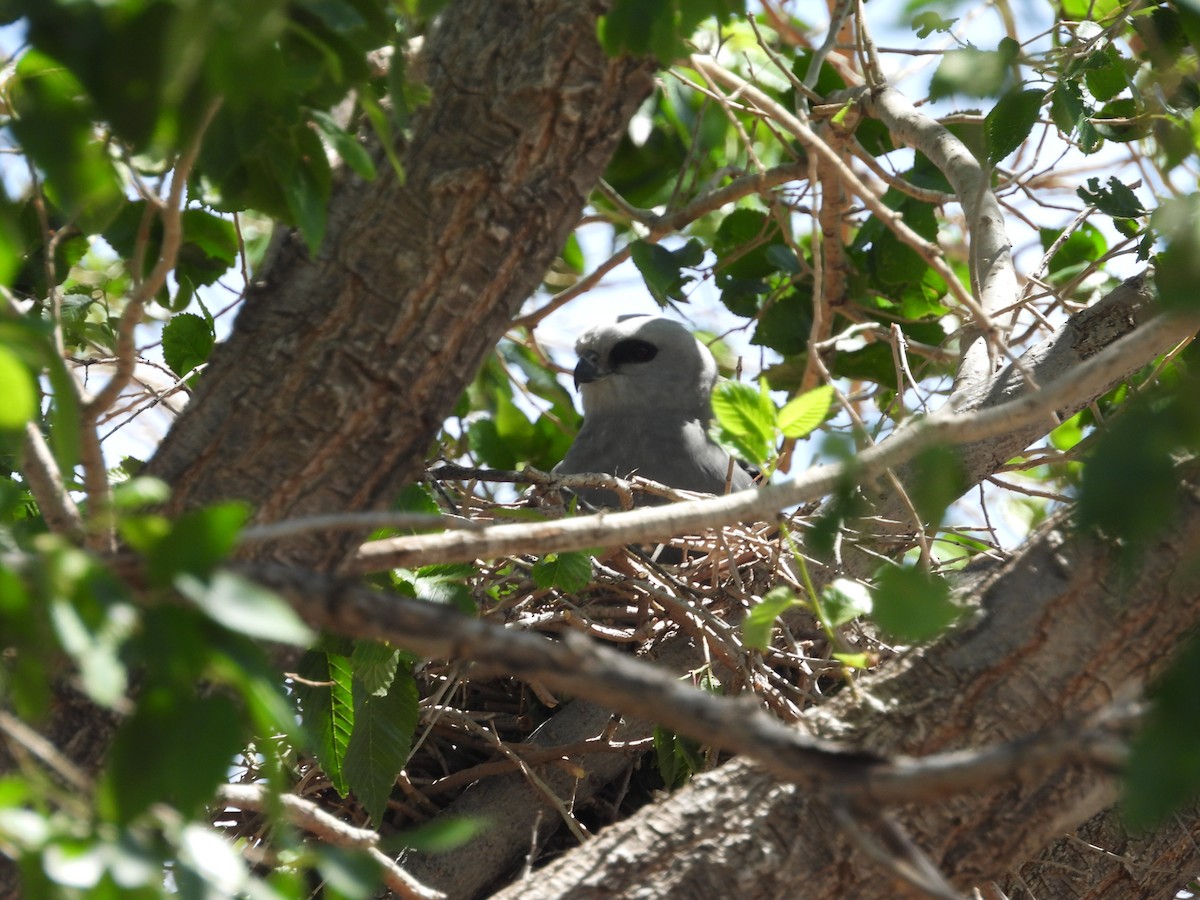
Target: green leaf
[(96, 646), (660, 270), (758, 625), (54, 126), (844, 600), (1114, 199), (678, 757), (19, 391), (801, 415), (938, 480), (187, 341), (440, 834), (973, 72), (1104, 73), (927, 23), (1067, 108), (246, 607), (746, 417), (568, 572), (912, 605), (1010, 122), (327, 700), (346, 145), (197, 542), (1163, 771), (375, 665), (1123, 108), (383, 729), (176, 747)]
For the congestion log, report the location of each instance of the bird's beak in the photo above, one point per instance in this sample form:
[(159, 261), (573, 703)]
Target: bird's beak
[(587, 371)]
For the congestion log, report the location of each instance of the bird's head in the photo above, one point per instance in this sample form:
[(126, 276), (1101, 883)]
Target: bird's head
[(643, 362)]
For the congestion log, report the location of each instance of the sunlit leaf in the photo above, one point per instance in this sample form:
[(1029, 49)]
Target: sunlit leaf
[(758, 625), (801, 415)]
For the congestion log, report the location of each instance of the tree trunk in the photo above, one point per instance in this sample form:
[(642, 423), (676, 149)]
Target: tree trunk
[(341, 370)]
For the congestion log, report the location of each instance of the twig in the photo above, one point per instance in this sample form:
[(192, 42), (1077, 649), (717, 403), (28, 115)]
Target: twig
[(46, 484), (307, 815)]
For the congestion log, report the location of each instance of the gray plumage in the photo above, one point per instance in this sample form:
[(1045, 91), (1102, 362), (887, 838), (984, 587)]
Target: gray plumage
[(646, 385)]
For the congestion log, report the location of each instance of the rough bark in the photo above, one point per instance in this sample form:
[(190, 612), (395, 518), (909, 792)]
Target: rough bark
[(1062, 630), (341, 369)]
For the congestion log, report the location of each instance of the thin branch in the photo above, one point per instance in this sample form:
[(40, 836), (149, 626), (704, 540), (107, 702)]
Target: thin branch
[(307, 815), (47, 486), (931, 253), (756, 183), (1088, 380), (579, 666)]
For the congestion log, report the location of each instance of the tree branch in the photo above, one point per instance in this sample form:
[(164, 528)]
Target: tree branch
[(1088, 380)]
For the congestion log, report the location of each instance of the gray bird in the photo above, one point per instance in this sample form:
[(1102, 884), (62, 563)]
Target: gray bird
[(646, 385)]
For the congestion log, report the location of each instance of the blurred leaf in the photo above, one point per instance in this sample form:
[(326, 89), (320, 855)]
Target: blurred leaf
[(926, 23), (1104, 74), (568, 571), (802, 415), (347, 146), (176, 747), (973, 72), (844, 600), (1163, 771), (197, 542), (54, 126), (1010, 122), (912, 605), (19, 391), (439, 834), (938, 480), (757, 626), (246, 607)]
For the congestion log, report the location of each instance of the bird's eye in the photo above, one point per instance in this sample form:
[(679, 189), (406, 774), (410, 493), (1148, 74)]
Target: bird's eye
[(631, 351)]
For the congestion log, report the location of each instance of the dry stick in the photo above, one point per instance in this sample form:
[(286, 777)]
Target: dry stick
[(991, 251), (307, 815), (95, 476), (46, 484), (1089, 379), (756, 183), (639, 690)]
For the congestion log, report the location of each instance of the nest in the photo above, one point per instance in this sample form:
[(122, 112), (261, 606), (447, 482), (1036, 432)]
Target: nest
[(475, 728)]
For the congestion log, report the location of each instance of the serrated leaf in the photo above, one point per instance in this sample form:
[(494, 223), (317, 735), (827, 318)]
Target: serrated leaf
[(912, 604), (375, 665), (1114, 199), (1067, 108), (844, 600), (246, 607), (383, 729), (758, 625), (1010, 122), (187, 341), (568, 572), (327, 701), (801, 415), (746, 417)]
